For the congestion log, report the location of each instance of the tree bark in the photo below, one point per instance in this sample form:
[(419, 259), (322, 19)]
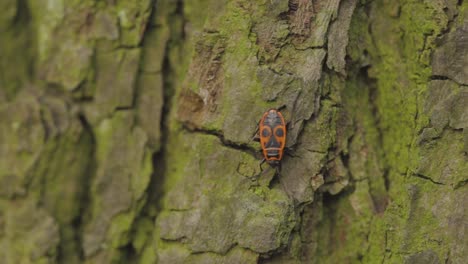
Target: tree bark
[(126, 131)]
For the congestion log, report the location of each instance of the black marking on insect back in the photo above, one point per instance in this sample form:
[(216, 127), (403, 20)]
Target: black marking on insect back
[(272, 143), (272, 153), (279, 132), (266, 132)]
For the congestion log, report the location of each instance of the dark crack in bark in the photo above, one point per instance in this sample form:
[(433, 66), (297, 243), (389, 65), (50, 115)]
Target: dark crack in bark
[(424, 177), (155, 190), (85, 200), (227, 143), (460, 184)]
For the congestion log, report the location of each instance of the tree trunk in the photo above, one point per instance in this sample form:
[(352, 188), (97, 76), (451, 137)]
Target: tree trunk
[(126, 133)]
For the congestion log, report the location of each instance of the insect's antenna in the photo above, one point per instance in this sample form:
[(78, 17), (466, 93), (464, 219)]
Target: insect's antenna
[(278, 168), (281, 107)]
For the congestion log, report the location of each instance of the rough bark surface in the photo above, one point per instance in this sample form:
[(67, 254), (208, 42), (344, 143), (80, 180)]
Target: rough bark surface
[(126, 131)]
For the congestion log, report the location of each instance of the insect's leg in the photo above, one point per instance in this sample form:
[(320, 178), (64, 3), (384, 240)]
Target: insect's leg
[(255, 136), (277, 167), (289, 150), (282, 108), (263, 161)]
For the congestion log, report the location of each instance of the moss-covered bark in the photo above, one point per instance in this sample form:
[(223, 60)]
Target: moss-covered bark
[(126, 131)]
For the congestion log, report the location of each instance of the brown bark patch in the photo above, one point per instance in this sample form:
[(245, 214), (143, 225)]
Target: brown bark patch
[(206, 75), (190, 108), (300, 17)]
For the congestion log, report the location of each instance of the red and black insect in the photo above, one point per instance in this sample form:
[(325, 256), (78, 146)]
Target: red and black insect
[(272, 136)]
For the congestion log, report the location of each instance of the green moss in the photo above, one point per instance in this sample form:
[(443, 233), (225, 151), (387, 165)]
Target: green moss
[(176, 163), (402, 76), (235, 255), (18, 44), (411, 223), (119, 230), (343, 233), (141, 181), (386, 105), (148, 255), (142, 235), (442, 160), (171, 252), (31, 234), (261, 191), (62, 170), (377, 250), (132, 18)]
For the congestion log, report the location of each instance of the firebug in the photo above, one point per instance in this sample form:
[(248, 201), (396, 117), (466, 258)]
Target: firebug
[(272, 136)]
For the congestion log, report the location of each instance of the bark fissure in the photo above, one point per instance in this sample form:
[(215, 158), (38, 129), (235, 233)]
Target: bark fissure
[(460, 184), (424, 177), (227, 143), (445, 78), (155, 191), (85, 200)]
